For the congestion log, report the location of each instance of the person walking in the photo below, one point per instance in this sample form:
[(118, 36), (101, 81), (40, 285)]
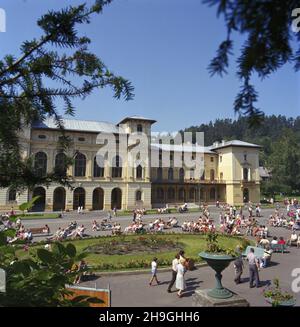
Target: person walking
[(175, 263), (253, 269), (154, 272), (180, 282), (238, 268)]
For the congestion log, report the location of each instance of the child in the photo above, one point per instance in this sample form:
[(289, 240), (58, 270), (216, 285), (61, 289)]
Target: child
[(154, 272)]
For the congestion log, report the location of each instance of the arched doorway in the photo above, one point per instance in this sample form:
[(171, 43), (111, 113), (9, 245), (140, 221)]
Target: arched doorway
[(59, 199), (181, 195), (40, 203), (78, 198), (139, 198), (246, 195), (98, 198), (160, 195), (116, 198), (212, 194)]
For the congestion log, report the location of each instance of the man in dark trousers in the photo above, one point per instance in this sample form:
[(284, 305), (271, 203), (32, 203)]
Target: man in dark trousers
[(253, 269), (175, 262), (238, 267)]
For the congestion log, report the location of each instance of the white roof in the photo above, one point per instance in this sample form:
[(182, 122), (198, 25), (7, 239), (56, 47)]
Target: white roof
[(264, 172), (79, 125), (185, 147), (223, 144)]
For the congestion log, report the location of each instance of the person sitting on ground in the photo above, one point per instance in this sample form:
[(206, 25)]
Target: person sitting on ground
[(274, 241), (264, 242), (95, 226)]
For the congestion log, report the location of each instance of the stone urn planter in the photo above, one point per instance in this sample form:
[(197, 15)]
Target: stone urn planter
[(277, 297), (285, 303), (218, 262)]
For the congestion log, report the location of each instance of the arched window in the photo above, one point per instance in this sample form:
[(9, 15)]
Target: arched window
[(40, 163), (192, 173), (159, 173), (61, 163), (117, 167), (139, 128), (203, 176), (80, 165), (171, 156), (245, 174), (12, 195), (212, 175), (138, 196), (221, 176), (171, 193), (98, 166), (181, 174), (170, 174), (139, 172)]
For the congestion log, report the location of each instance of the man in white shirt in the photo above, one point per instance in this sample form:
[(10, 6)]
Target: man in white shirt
[(253, 269)]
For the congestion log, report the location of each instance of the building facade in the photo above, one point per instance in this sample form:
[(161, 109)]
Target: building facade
[(230, 169)]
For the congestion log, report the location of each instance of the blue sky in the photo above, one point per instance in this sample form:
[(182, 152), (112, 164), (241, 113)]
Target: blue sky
[(164, 48)]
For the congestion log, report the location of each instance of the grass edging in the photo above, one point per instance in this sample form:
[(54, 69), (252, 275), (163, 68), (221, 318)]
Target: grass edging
[(139, 271)]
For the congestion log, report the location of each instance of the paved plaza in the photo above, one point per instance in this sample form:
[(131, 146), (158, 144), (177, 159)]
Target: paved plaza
[(133, 290)]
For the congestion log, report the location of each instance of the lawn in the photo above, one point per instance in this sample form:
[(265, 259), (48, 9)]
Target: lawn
[(29, 216), (191, 243)]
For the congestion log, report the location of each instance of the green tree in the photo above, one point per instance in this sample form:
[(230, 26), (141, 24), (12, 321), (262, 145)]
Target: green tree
[(284, 163), (266, 26), (56, 66), (41, 280)]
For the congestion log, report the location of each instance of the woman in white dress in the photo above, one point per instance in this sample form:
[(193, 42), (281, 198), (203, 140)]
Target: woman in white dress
[(180, 282)]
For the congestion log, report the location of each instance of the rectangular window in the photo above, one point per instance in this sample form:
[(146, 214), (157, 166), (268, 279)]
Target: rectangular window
[(211, 159)]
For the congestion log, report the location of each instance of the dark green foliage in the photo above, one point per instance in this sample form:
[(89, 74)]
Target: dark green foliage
[(266, 27), (56, 66), (41, 281)]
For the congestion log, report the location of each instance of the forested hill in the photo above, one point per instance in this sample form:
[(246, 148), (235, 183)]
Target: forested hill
[(271, 130), (280, 138)]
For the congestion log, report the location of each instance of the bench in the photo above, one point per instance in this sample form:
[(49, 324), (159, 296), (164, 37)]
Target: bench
[(282, 248), (39, 230), (258, 252)]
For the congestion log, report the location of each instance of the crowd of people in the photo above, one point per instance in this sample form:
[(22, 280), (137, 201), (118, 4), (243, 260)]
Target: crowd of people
[(72, 231)]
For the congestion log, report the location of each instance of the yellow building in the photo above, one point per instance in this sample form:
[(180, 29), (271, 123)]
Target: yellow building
[(231, 169)]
